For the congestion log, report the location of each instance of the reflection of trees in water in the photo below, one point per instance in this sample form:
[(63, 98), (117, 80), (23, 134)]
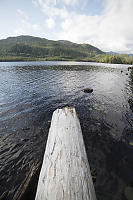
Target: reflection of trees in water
[(130, 101)]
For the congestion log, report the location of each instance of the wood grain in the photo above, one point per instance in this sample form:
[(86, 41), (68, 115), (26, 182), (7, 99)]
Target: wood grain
[(65, 172)]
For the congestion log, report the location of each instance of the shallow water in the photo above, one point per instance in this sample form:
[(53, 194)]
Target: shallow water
[(31, 91)]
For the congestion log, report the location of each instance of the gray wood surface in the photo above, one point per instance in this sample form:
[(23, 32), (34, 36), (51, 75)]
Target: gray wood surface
[(65, 172)]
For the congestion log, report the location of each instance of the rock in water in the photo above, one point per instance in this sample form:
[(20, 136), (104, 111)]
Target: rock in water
[(129, 68), (88, 90)]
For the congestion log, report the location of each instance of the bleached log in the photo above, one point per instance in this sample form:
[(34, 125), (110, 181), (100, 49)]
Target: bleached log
[(65, 172)]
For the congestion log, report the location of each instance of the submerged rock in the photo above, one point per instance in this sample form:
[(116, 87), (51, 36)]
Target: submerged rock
[(88, 90), (26, 129), (129, 68), (94, 175)]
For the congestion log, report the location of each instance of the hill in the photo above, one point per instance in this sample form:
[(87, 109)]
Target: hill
[(27, 48), (35, 48)]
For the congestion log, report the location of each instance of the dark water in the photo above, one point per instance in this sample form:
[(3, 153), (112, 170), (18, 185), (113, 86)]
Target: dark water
[(31, 91)]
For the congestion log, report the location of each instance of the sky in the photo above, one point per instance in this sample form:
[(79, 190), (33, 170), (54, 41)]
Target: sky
[(106, 24)]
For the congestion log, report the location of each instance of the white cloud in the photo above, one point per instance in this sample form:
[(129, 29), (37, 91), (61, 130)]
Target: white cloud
[(35, 3), (20, 31), (22, 14), (68, 2), (112, 30), (50, 23), (28, 28), (36, 27), (47, 2), (49, 8), (55, 2)]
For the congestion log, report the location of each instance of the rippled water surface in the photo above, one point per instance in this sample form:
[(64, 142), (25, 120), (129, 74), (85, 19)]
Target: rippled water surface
[(31, 91)]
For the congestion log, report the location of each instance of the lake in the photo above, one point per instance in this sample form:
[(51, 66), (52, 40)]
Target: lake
[(31, 91)]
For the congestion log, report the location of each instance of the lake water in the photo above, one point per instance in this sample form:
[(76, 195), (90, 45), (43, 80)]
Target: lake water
[(31, 91)]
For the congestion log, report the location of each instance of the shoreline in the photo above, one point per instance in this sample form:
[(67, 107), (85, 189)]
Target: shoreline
[(62, 60)]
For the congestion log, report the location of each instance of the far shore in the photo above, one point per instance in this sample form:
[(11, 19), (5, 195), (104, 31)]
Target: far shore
[(52, 59)]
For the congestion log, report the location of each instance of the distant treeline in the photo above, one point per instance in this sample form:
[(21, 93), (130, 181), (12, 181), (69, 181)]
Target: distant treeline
[(117, 59)]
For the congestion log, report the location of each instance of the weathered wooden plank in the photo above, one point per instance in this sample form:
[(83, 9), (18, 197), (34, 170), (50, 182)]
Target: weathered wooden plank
[(65, 172)]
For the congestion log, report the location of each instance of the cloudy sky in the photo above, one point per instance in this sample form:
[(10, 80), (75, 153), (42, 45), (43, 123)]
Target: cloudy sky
[(107, 24)]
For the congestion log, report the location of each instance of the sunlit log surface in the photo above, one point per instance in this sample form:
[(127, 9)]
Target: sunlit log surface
[(65, 172)]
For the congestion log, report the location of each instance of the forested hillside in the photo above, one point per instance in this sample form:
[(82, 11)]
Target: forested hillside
[(26, 48), (34, 48)]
